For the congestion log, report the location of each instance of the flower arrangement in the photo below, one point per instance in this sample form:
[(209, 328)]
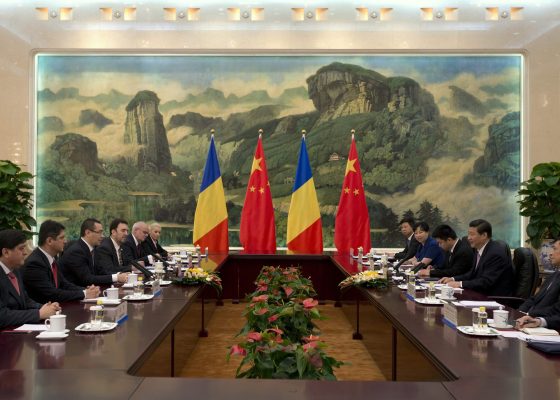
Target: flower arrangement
[(198, 276), (368, 279), (269, 355), (280, 338)]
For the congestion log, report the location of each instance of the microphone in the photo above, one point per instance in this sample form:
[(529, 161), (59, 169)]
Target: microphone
[(142, 269)]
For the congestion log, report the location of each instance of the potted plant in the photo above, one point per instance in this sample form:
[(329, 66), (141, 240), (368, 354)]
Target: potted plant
[(16, 200), (540, 202)]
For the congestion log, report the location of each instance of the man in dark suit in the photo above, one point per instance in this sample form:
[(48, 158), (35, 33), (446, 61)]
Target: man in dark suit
[(41, 274), (16, 307), (77, 261), (492, 270), (132, 247), (151, 244), (411, 245), (543, 309), (108, 255), (458, 254)]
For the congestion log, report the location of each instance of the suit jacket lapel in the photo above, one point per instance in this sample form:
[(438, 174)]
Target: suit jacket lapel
[(86, 250), (547, 288), (12, 290), (46, 263)]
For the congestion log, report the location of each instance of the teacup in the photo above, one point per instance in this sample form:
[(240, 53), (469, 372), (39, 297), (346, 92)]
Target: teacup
[(56, 323), (111, 293), (447, 292), (132, 278), (501, 318)]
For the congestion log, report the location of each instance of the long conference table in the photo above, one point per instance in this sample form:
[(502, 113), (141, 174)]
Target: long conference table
[(427, 358)]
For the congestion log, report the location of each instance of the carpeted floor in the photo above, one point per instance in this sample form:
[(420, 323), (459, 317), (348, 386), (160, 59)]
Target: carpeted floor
[(209, 356)]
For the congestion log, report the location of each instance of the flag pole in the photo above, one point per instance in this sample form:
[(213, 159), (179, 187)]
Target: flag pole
[(212, 131), (352, 131), (303, 132), (260, 132)]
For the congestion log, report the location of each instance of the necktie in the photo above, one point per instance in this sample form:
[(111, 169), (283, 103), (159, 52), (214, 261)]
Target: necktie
[(92, 258), (54, 269), (14, 281), (119, 256), (477, 259), (138, 252)]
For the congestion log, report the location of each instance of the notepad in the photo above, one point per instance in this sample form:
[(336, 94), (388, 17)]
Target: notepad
[(540, 331)]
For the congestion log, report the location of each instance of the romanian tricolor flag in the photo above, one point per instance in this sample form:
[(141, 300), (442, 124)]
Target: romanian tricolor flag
[(305, 233), (351, 227), (257, 233), (210, 218)]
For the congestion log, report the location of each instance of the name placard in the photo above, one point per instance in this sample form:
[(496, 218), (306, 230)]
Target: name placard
[(156, 288)]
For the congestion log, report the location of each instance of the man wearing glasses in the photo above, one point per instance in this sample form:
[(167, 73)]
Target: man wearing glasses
[(78, 260)]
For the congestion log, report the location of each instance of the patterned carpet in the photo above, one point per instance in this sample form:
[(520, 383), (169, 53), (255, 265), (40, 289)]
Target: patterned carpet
[(208, 358)]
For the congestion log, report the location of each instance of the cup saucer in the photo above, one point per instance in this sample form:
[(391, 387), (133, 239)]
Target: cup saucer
[(45, 335)]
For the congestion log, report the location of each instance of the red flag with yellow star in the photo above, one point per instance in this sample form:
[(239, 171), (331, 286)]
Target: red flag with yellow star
[(257, 232), (351, 227)]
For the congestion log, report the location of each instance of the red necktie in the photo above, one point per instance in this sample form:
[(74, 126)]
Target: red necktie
[(54, 269), (14, 281)]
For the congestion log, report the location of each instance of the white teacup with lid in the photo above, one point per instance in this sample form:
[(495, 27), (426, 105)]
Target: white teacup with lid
[(501, 318)]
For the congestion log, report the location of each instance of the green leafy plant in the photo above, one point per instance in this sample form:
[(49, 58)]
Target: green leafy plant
[(280, 338), (540, 201), (268, 355), (16, 201)]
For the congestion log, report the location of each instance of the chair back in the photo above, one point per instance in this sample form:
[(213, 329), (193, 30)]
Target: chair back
[(526, 272)]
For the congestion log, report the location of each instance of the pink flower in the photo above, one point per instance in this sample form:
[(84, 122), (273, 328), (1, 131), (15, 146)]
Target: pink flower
[(254, 336), (262, 297), (316, 361), (311, 338), (262, 288), (309, 303), (262, 311), (276, 330), (238, 350), (273, 318), (288, 290), (310, 345)]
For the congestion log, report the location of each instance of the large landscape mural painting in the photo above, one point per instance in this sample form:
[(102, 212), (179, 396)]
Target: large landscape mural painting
[(127, 136)]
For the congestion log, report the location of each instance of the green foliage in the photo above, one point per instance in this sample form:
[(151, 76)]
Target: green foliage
[(540, 201), (15, 197), (279, 341)]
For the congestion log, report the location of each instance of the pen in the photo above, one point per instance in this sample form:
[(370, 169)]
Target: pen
[(14, 331)]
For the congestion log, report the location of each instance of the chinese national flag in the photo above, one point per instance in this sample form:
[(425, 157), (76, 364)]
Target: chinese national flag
[(257, 233), (351, 228)]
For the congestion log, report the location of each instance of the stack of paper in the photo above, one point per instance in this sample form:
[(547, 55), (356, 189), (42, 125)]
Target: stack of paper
[(540, 331), (487, 304)]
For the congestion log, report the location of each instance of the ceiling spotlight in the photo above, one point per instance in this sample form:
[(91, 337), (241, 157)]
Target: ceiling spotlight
[(181, 14), (373, 15), (117, 14), (245, 14), (439, 15), (309, 15), (504, 14), (53, 14)]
